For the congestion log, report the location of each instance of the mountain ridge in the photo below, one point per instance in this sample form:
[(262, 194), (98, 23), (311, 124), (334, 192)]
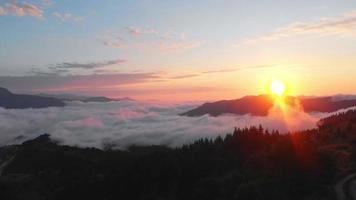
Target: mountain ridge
[(10, 100), (85, 99), (260, 105)]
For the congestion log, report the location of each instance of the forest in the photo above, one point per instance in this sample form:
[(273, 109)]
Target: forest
[(250, 163)]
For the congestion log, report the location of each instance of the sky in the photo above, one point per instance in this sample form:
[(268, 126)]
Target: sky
[(187, 50)]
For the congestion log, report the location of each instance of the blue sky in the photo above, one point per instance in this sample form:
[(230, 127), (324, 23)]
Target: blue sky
[(179, 39)]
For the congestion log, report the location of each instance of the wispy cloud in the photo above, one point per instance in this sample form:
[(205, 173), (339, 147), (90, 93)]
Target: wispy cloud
[(185, 76), (224, 70), (162, 46), (220, 71), (92, 82), (47, 3), (2, 11), (67, 67), (116, 43), (160, 41), (230, 70), (65, 17), (178, 46), (21, 9), (137, 31), (339, 25), (92, 65), (51, 72)]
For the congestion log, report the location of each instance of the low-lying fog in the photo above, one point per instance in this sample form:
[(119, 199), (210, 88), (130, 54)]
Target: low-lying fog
[(129, 122)]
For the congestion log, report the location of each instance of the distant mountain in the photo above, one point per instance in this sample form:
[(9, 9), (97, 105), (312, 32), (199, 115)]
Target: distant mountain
[(343, 97), (259, 105), (21, 101), (100, 99), (86, 99), (255, 105), (64, 97)]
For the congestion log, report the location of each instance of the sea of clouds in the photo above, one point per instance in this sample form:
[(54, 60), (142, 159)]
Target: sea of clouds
[(125, 123)]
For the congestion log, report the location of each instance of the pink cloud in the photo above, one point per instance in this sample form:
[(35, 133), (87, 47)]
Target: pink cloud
[(127, 114), (2, 11), (89, 122), (22, 9)]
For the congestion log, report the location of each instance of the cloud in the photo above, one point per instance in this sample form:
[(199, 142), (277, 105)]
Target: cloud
[(60, 77), (66, 68), (115, 43), (227, 70), (131, 122), (92, 65), (137, 31), (75, 83), (339, 25), (162, 41), (52, 72), (65, 17), (241, 68), (47, 3), (250, 67), (178, 46), (162, 46), (21, 9), (2, 11), (185, 76), (220, 71)]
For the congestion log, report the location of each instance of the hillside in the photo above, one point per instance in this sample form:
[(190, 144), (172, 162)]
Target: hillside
[(9, 100)]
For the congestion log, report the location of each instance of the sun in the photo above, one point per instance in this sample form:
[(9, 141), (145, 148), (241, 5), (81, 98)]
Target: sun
[(278, 88)]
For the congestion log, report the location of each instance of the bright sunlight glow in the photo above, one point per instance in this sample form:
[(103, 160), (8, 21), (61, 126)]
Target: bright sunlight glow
[(277, 88)]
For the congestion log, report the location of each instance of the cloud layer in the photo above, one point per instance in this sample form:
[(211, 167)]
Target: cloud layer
[(126, 123)]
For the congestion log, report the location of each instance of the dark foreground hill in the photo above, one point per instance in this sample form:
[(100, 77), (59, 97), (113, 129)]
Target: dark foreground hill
[(20, 101), (249, 164), (260, 105)]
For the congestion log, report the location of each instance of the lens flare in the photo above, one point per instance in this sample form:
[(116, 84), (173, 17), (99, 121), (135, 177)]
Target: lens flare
[(277, 88)]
